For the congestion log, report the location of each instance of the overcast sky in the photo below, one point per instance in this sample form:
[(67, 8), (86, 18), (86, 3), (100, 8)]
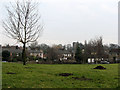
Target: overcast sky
[(66, 21)]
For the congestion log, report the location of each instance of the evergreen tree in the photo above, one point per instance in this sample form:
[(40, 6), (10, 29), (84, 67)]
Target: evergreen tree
[(78, 54)]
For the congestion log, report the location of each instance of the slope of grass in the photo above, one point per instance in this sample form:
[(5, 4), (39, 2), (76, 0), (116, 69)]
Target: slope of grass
[(47, 76)]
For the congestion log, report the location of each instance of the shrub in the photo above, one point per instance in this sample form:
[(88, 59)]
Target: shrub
[(19, 58), (14, 59), (5, 55)]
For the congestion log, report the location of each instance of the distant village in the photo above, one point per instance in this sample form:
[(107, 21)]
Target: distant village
[(64, 53)]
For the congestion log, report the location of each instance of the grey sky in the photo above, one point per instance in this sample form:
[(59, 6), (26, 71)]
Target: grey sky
[(66, 21)]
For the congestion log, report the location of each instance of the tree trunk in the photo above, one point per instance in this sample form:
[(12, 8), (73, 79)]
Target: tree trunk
[(24, 54)]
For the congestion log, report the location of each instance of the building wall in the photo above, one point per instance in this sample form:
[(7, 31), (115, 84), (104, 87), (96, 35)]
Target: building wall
[(114, 57), (37, 54)]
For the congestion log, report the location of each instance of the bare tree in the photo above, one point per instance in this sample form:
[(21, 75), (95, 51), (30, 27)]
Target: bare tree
[(52, 54), (94, 49), (23, 23), (34, 45)]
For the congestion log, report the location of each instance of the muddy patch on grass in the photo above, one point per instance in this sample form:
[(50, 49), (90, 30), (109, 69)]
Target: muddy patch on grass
[(65, 74), (99, 67), (83, 78), (10, 73)]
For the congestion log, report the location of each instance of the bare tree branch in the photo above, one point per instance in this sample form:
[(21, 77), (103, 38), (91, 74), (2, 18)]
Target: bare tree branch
[(23, 22)]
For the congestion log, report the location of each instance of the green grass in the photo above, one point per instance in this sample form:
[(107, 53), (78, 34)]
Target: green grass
[(47, 76)]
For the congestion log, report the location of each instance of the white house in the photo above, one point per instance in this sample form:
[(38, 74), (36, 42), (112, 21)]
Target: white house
[(38, 53)]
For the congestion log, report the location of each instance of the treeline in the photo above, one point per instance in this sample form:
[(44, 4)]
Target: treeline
[(80, 53)]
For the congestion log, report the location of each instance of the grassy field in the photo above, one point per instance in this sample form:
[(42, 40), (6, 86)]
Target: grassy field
[(47, 76)]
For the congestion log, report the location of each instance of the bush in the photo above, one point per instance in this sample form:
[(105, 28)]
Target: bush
[(5, 58), (14, 59), (5, 55), (19, 58)]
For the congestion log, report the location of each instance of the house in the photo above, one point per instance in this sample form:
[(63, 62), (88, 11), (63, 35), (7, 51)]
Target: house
[(65, 55), (94, 58), (14, 50), (44, 56), (17, 51), (114, 55), (38, 53)]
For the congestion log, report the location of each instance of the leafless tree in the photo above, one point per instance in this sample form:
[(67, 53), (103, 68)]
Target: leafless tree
[(34, 45), (23, 23), (52, 54), (99, 48), (94, 48)]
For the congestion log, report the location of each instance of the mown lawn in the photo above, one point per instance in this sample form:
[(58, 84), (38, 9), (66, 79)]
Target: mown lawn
[(47, 76)]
